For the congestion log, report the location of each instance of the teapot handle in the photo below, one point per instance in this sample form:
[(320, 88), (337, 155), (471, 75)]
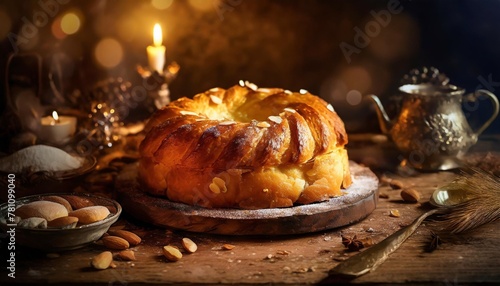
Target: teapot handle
[(496, 107)]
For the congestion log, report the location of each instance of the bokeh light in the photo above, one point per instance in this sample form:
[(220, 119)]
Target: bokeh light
[(357, 77), (203, 5), (5, 24), (70, 23), (354, 97), (56, 30), (108, 52), (162, 4)]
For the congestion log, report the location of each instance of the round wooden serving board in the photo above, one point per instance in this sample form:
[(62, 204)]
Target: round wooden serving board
[(358, 202)]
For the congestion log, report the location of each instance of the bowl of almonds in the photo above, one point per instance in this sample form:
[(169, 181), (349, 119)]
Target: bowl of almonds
[(58, 222)]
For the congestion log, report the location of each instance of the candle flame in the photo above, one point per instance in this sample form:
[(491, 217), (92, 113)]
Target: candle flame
[(55, 115), (157, 35)]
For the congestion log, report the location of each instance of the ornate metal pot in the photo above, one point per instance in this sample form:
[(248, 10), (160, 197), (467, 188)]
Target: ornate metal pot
[(431, 129)]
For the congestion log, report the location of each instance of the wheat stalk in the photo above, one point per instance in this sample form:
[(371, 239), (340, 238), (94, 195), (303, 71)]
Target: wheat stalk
[(483, 206)]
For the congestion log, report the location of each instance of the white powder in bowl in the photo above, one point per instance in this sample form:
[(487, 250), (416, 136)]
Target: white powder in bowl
[(40, 158)]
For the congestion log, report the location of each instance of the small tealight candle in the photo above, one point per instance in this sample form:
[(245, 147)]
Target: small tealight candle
[(57, 129), (156, 53)]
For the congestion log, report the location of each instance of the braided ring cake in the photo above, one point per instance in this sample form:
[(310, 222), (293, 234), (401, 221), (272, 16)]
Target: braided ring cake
[(245, 148)]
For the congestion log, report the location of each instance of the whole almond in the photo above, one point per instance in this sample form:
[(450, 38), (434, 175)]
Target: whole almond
[(129, 236), (126, 255), (59, 200), (410, 195), (78, 202), (115, 242), (102, 261), (189, 245), (117, 227), (394, 213), (172, 253), (396, 184), (33, 222), (44, 209), (228, 246), (64, 222), (91, 214)]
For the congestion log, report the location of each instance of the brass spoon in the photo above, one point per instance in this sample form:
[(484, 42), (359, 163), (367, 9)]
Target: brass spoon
[(374, 256)]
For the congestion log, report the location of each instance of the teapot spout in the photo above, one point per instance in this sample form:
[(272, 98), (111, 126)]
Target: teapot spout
[(383, 119)]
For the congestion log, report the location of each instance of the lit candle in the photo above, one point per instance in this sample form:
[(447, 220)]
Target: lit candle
[(55, 116), (156, 53), (57, 129)]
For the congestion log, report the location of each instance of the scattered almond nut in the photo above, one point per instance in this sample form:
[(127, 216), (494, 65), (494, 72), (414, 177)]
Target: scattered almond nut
[(115, 242), (78, 202), (228, 246), (59, 200), (189, 245), (275, 119), (214, 188), (91, 214), (132, 238), (44, 209), (385, 180), (172, 253), (410, 195), (396, 184), (394, 213), (126, 255), (64, 222), (263, 124), (383, 196), (215, 99), (102, 260)]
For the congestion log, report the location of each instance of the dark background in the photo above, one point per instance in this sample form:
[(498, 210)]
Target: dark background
[(291, 44)]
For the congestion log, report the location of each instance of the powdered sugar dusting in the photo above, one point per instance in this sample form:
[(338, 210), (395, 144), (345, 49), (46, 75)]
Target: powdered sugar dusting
[(40, 158)]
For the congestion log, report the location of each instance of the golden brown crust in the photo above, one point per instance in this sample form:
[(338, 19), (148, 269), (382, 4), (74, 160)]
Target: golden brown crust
[(245, 148)]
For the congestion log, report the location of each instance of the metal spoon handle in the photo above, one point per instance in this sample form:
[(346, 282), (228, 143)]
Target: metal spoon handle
[(374, 256)]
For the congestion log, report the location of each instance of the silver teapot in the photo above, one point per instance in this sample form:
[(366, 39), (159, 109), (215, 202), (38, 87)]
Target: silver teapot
[(431, 129)]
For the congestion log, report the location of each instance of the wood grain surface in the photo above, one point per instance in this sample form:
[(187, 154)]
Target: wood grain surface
[(469, 258)]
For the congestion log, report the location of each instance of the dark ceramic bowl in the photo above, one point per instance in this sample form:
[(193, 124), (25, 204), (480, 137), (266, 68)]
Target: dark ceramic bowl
[(53, 240), (44, 182)]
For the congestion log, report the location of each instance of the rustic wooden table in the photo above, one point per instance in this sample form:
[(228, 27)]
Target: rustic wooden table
[(470, 258)]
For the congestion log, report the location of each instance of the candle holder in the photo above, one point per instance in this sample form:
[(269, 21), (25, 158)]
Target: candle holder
[(105, 121), (110, 102), (57, 130), (157, 83)]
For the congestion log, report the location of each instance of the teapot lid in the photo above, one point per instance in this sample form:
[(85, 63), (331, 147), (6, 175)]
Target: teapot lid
[(427, 89), (425, 75)]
